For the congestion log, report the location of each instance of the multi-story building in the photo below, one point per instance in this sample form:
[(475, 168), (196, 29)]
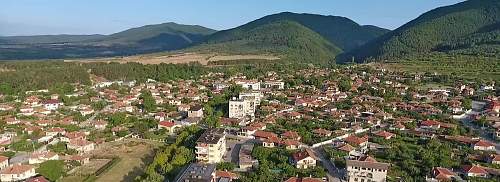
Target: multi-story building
[(249, 84), (256, 96), (197, 172), (366, 171), (211, 146), (241, 108)]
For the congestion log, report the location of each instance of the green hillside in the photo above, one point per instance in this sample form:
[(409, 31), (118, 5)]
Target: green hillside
[(470, 27), (340, 31), (284, 38), (48, 39)]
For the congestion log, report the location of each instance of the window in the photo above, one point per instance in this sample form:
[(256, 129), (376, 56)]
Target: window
[(355, 179)]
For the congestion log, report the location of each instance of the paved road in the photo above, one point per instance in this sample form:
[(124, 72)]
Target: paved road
[(477, 107), (88, 122), (333, 172)]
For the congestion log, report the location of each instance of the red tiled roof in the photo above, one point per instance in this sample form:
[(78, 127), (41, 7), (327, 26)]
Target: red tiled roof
[(166, 123), (16, 169), (483, 143), (474, 169), (264, 134), (384, 134), (297, 156)]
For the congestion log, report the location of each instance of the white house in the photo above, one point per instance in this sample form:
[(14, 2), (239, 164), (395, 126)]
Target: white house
[(17, 172), (52, 104)]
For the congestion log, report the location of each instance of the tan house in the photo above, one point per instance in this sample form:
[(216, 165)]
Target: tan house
[(81, 145), (366, 170), (304, 159)]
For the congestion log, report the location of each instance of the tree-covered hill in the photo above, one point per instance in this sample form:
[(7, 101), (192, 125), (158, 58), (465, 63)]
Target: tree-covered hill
[(470, 27), (285, 38), (340, 31)]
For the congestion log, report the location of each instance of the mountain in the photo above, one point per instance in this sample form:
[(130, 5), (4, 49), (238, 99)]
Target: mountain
[(298, 36), (470, 27), (285, 38), (167, 35), (340, 31), (146, 39), (48, 39)]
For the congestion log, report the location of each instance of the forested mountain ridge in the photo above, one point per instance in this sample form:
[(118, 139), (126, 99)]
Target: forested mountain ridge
[(340, 31), (285, 38), (470, 26)]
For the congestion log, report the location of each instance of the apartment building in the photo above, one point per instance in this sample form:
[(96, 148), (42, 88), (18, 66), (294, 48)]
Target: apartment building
[(211, 146), (241, 108), (366, 171), (197, 172)]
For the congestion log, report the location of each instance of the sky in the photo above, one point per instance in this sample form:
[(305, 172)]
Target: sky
[(42, 17)]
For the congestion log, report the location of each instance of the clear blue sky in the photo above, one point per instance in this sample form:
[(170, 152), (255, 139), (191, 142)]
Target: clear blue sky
[(30, 17)]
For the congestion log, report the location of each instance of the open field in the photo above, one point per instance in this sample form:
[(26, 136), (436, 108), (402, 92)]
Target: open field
[(134, 155), (179, 58), (477, 69)]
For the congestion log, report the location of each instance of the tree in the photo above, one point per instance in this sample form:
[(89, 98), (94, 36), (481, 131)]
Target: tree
[(148, 102), (52, 169), (345, 84), (226, 166)]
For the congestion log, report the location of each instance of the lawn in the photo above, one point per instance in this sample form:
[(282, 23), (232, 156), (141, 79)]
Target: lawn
[(134, 155)]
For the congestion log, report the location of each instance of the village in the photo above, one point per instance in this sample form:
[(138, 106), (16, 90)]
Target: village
[(355, 123)]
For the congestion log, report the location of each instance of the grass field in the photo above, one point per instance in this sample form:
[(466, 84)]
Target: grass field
[(134, 155), (178, 58), (487, 69)]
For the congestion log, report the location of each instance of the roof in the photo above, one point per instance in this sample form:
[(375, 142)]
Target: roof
[(368, 164), (264, 134), (290, 134), (430, 123), (297, 156), (37, 179), (353, 139), (51, 101), (346, 148), (474, 169), (483, 143), (166, 123), (16, 169), (3, 158), (226, 174), (442, 173), (296, 179), (196, 108), (197, 172), (384, 134), (211, 136)]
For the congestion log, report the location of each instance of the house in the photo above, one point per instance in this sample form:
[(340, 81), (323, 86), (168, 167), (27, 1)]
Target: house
[(483, 145), (442, 174), (4, 162), (195, 111), (292, 144), (350, 150), (17, 172), (474, 171), (52, 104), (100, 124), (366, 170), (493, 159), (361, 142), (271, 142), (225, 176), (430, 124), (245, 159), (292, 135), (322, 132), (385, 135), (39, 157), (38, 179), (168, 125), (211, 146), (81, 145), (307, 179), (304, 159)]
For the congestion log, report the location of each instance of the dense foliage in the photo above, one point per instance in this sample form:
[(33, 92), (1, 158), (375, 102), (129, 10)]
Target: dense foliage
[(284, 38), (468, 27)]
